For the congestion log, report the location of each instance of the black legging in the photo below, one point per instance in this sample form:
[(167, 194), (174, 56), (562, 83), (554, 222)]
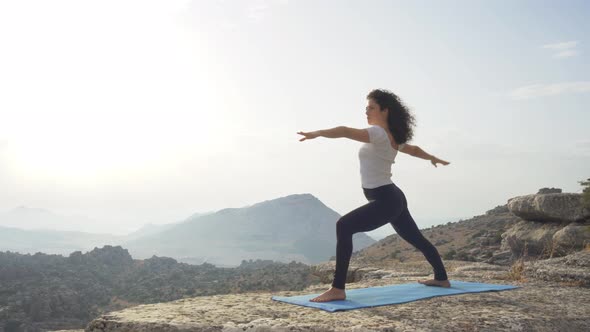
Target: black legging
[(387, 204)]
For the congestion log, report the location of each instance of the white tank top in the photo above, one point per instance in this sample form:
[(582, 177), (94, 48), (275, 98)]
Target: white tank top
[(376, 158)]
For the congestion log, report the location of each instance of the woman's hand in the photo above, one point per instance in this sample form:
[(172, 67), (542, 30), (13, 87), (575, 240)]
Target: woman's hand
[(435, 160), (309, 135)]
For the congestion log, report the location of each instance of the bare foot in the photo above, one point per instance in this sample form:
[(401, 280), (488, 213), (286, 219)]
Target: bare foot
[(434, 282), (332, 294)]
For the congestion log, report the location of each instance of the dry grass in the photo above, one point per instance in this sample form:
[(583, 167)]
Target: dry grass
[(517, 268), (572, 283), (516, 271), (548, 249)]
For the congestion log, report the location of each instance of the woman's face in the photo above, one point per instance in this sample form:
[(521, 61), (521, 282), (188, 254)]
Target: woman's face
[(374, 113)]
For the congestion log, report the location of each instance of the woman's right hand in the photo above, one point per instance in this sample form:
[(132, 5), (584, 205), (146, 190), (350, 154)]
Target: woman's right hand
[(308, 135)]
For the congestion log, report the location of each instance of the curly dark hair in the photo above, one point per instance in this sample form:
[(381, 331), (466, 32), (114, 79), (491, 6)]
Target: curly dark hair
[(400, 119)]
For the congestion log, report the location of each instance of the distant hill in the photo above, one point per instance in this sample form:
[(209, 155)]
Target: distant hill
[(52, 242), (32, 230), (28, 218), (151, 229), (296, 227)]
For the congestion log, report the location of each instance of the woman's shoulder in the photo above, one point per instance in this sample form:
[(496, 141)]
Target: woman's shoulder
[(387, 137), (377, 134), (378, 129)]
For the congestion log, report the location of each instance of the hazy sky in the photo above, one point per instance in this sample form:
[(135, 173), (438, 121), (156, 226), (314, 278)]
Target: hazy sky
[(131, 112)]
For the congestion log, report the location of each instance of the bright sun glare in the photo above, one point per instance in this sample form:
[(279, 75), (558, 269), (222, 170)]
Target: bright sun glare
[(100, 147)]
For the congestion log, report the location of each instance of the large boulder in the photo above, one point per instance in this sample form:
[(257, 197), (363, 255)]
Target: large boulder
[(537, 236), (573, 237), (553, 207), (545, 239)]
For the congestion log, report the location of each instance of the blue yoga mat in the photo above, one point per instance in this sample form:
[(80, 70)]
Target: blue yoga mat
[(392, 294)]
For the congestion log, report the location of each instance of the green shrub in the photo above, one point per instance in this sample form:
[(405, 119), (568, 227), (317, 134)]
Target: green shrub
[(450, 254), (498, 237), (463, 256), (478, 233)]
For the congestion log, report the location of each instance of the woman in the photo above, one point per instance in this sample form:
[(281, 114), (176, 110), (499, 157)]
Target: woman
[(391, 127)]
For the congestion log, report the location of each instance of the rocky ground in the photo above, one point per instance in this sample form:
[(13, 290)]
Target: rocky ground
[(544, 302)]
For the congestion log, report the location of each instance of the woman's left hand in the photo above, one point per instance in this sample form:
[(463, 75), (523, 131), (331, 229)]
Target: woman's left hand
[(309, 135), (436, 160)]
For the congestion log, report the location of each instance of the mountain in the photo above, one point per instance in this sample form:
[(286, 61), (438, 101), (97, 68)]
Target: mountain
[(28, 218), (31, 230), (148, 229), (296, 227), (54, 242), (151, 229)]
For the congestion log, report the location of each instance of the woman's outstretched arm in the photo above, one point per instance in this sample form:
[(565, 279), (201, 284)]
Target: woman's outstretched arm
[(419, 153), (360, 135)]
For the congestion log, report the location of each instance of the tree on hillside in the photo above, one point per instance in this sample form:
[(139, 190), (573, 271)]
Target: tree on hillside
[(586, 193)]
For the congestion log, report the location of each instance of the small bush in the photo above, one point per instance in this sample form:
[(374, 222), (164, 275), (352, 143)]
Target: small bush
[(463, 256), (478, 233), (498, 237), (450, 254), (395, 253)]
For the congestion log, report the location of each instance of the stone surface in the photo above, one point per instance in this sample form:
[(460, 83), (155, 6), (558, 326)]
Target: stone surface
[(529, 308), (555, 207), (325, 272), (545, 239), (536, 235), (501, 257), (571, 238), (573, 268)]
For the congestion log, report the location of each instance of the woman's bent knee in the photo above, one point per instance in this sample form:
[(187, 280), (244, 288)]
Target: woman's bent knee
[(344, 225)]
